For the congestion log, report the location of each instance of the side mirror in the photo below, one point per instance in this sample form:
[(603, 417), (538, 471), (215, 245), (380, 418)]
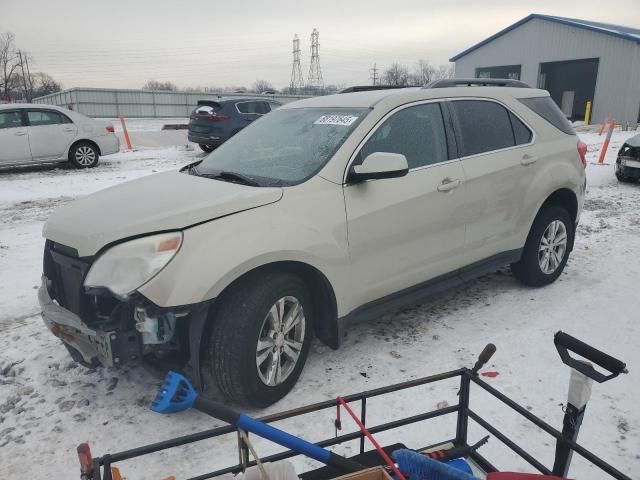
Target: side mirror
[(380, 165)]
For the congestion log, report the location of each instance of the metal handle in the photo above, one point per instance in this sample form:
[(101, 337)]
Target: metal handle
[(448, 184), (483, 358), (20, 134), (528, 159), (244, 422), (565, 343)]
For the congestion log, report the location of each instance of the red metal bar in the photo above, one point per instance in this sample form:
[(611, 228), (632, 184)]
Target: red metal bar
[(371, 439), (126, 134), (603, 152)]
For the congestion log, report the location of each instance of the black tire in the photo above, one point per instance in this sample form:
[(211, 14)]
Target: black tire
[(84, 155), (237, 326), (528, 269), (207, 148)]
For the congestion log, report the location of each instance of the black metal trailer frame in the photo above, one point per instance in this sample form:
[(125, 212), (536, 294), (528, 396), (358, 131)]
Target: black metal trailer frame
[(463, 410)]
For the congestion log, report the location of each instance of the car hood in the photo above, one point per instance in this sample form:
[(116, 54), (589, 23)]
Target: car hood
[(160, 202)]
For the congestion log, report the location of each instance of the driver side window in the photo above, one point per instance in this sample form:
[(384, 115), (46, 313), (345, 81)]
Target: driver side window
[(416, 132)]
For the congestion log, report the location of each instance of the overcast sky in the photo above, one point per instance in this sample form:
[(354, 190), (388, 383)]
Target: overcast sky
[(124, 43)]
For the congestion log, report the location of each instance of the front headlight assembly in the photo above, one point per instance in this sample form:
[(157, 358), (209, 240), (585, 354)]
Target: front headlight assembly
[(124, 268)]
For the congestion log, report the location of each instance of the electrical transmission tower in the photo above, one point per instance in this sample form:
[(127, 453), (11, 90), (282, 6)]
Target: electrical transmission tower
[(374, 74), (296, 70), (315, 72)]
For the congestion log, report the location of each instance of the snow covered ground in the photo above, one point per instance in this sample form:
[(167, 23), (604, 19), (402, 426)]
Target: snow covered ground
[(48, 404)]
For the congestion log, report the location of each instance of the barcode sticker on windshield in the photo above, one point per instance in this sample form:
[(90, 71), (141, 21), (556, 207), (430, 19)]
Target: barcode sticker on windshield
[(345, 120)]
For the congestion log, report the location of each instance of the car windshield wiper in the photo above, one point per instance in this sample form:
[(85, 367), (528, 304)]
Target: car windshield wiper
[(192, 168), (229, 177)]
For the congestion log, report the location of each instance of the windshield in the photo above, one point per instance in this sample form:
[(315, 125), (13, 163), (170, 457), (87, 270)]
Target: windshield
[(284, 147)]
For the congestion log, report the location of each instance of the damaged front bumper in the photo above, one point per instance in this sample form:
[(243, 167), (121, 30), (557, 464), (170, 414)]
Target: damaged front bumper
[(131, 340), (93, 346)]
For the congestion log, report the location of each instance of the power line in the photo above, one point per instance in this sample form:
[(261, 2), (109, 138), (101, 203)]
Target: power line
[(296, 70), (315, 72)]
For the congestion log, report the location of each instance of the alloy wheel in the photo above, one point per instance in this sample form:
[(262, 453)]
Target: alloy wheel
[(280, 341), (553, 246), (85, 156)]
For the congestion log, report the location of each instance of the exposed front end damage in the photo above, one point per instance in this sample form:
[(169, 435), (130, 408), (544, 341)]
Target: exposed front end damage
[(100, 329)]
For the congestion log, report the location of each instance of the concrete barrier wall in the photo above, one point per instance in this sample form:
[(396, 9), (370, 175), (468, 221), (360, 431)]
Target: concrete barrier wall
[(111, 103)]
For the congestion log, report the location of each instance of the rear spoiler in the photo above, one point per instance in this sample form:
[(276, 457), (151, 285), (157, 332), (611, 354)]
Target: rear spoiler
[(209, 103)]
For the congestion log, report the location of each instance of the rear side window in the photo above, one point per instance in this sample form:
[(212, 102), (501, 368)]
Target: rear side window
[(10, 120), (483, 126), (256, 108), (520, 131), (45, 117), (547, 109)]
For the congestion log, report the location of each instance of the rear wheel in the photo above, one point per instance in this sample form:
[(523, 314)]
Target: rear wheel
[(547, 249), (207, 148), (84, 155), (260, 338)]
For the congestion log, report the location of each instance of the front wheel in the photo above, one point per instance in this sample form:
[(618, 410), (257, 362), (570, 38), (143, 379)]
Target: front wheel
[(84, 155), (206, 148), (547, 249), (260, 338)]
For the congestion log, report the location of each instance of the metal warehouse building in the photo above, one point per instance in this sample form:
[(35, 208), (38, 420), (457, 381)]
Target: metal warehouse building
[(575, 60)]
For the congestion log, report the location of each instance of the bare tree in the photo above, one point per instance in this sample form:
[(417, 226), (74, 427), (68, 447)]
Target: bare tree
[(44, 84), (156, 85), (444, 71), (260, 86), (423, 73), (9, 62), (396, 75), (331, 89)]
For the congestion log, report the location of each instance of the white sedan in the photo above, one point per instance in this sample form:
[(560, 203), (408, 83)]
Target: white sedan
[(32, 134)]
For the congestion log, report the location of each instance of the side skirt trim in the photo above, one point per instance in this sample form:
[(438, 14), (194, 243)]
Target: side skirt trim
[(425, 290)]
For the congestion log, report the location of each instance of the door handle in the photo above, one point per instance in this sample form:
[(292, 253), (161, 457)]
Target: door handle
[(528, 159), (20, 134), (69, 130), (448, 184)]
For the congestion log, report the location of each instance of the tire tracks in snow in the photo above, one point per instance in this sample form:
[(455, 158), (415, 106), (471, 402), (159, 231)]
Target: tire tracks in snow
[(31, 210)]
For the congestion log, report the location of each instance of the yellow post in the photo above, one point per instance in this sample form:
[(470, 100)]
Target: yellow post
[(587, 113)]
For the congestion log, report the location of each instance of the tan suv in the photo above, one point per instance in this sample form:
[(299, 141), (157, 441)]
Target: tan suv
[(329, 208)]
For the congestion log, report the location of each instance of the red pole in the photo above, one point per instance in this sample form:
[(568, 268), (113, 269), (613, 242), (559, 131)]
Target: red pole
[(604, 123), (371, 439), (603, 152), (126, 134)]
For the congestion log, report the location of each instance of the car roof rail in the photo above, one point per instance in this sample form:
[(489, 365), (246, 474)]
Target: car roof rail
[(367, 88), (477, 82)]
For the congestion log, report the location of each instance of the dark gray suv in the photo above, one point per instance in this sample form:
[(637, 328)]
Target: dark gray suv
[(214, 122)]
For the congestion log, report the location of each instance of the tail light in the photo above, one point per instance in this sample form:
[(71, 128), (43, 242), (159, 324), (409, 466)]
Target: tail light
[(110, 128), (86, 462), (212, 117), (582, 151)]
